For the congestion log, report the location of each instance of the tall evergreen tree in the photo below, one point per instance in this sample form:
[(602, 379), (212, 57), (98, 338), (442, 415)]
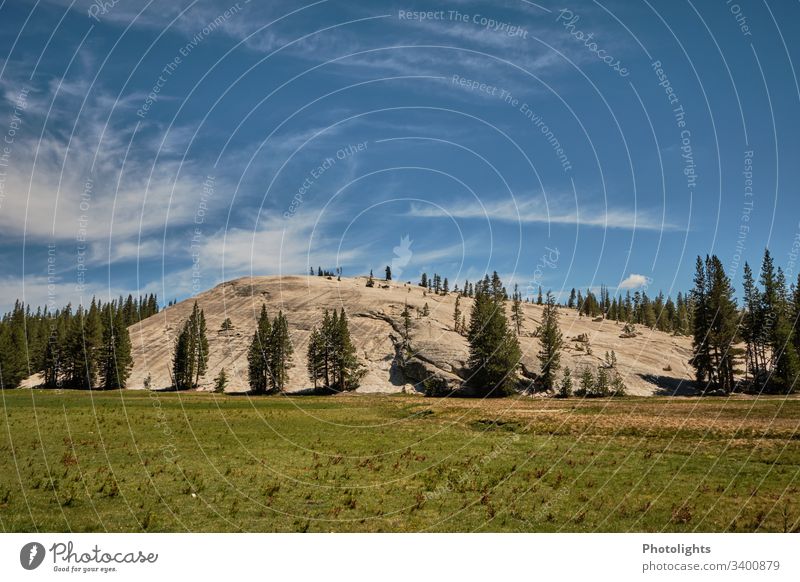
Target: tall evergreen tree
[(281, 351), (456, 314), (259, 357), (115, 360), (551, 342), (516, 309), (181, 368), (494, 349), (717, 332), (572, 299), (778, 330), (335, 363)]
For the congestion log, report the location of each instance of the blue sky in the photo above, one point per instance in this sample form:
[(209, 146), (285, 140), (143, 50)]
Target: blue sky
[(168, 146)]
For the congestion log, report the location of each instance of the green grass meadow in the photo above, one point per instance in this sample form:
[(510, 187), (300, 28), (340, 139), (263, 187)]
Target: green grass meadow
[(130, 461)]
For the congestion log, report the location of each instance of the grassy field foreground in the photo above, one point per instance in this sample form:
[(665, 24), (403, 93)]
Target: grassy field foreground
[(133, 461)]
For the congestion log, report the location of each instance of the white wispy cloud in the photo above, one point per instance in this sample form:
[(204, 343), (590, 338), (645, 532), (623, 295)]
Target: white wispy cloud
[(535, 210)]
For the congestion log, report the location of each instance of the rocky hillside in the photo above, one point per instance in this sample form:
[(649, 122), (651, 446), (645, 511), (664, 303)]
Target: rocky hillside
[(651, 363)]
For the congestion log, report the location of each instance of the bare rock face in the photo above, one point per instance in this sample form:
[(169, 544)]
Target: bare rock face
[(437, 361)]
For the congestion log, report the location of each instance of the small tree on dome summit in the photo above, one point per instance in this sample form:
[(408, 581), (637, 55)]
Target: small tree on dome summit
[(388, 273)]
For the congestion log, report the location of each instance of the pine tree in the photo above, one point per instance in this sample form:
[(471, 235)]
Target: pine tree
[(516, 309), (551, 341), (601, 383), (795, 314), (221, 381), (115, 360), (388, 273), (332, 359), (494, 349), (752, 325), (456, 314), (618, 385), (199, 351), (701, 357), (423, 282), (181, 371), (572, 299), (784, 364), (716, 327), (406, 315), (314, 356), (586, 383), (565, 388), (280, 352), (259, 357), (347, 365), (539, 296)]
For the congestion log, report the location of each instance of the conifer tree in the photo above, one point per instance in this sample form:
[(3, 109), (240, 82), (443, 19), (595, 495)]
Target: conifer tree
[(406, 315), (516, 309), (347, 365), (221, 381), (200, 343), (314, 357), (701, 352), (586, 383), (259, 357), (752, 325), (332, 356), (551, 341), (494, 349), (181, 370), (456, 314), (601, 383), (388, 273), (280, 352), (784, 364), (115, 360), (565, 388), (716, 328)]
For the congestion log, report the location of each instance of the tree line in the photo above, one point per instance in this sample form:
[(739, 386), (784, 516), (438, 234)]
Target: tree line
[(766, 323), (87, 347)]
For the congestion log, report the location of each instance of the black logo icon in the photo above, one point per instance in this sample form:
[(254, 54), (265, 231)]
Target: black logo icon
[(31, 555)]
